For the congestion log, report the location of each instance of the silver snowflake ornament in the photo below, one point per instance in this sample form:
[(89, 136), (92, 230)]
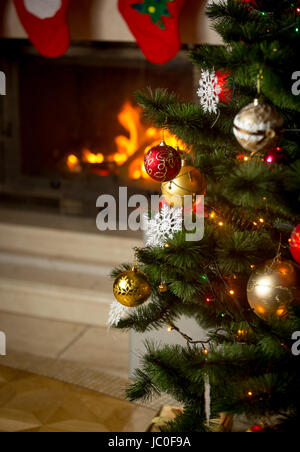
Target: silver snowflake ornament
[(163, 226), (209, 91)]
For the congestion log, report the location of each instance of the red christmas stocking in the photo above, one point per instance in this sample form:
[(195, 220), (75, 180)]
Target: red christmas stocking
[(46, 24), (154, 23)]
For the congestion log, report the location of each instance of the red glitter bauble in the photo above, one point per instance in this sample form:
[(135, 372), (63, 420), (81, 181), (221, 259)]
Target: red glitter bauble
[(162, 163), (295, 244), (275, 155)]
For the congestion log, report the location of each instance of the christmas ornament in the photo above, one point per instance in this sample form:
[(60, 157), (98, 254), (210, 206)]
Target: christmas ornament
[(258, 127), (132, 288), (117, 312), (154, 23), (256, 429), (163, 288), (46, 24), (162, 162), (163, 226), (295, 244), (213, 90), (275, 155), (273, 288), (188, 182)]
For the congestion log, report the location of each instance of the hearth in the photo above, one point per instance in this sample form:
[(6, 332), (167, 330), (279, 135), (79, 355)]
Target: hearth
[(71, 129)]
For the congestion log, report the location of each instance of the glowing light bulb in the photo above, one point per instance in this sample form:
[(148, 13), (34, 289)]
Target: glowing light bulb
[(231, 292), (261, 220), (221, 223), (170, 329), (250, 393)]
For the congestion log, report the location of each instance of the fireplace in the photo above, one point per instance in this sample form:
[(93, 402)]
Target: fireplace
[(71, 129)]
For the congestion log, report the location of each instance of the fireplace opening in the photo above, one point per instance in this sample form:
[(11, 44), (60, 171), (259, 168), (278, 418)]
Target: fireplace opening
[(71, 128)]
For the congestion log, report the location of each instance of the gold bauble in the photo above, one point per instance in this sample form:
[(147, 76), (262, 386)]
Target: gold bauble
[(273, 288), (163, 288), (188, 182), (132, 288), (258, 127)]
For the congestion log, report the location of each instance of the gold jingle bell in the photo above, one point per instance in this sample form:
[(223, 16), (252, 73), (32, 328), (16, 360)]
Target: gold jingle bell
[(258, 127), (188, 182), (132, 288), (273, 288)]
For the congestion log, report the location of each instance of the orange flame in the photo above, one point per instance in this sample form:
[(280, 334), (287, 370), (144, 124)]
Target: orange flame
[(90, 157), (139, 138), (73, 163)]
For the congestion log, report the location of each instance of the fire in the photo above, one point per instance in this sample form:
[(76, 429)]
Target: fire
[(73, 163), (140, 140), (90, 157)]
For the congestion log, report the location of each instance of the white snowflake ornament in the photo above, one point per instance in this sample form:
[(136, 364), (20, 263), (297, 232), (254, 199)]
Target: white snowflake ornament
[(163, 226), (209, 91), (117, 312)]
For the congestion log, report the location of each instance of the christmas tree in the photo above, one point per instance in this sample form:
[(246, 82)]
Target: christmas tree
[(240, 281)]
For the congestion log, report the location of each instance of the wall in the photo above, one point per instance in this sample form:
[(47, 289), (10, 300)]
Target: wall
[(100, 20)]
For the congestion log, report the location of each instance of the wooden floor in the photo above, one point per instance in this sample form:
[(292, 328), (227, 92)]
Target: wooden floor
[(31, 403)]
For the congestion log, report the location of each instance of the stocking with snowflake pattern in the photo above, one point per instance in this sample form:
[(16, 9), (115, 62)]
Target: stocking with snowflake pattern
[(154, 23), (45, 21)]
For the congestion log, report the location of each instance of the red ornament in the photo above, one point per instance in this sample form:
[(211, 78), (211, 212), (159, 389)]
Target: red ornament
[(275, 155), (295, 244), (225, 94), (163, 163), (257, 429)]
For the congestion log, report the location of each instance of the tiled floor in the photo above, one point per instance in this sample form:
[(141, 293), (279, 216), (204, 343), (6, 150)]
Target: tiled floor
[(95, 348), (31, 403)]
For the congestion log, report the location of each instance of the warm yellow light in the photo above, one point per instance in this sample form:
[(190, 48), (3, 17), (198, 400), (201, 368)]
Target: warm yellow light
[(260, 309), (152, 132), (261, 220), (73, 159), (120, 158), (170, 329), (246, 159), (264, 287), (280, 312), (221, 223), (254, 222), (205, 352), (136, 175), (232, 292), (250, 394)]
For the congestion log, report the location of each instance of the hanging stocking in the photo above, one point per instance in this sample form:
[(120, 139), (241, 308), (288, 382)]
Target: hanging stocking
[(45, 21), (154, 23)]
